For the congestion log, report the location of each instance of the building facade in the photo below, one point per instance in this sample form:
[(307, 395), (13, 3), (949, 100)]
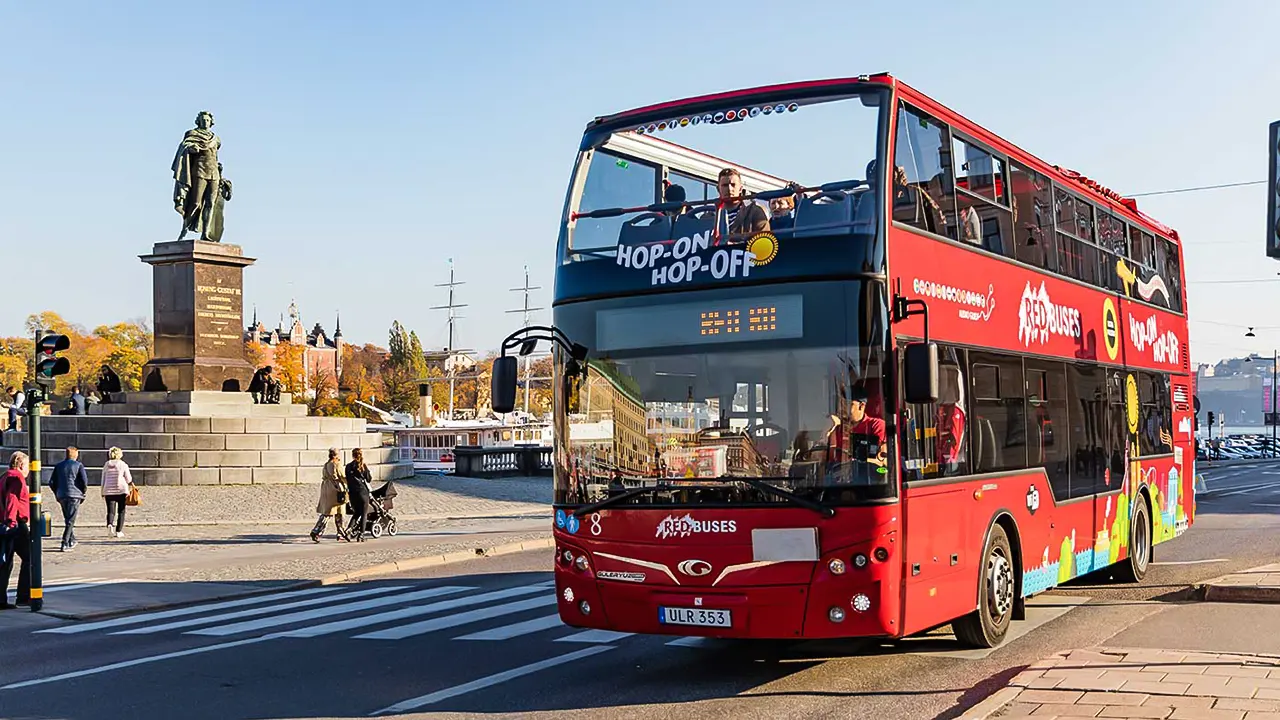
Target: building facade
[(322, 353)]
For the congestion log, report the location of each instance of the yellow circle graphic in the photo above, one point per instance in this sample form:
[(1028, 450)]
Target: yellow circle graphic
[(1131, 402), (1110, 328), (763, 248)]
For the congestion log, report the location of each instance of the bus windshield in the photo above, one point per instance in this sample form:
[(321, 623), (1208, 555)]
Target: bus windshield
[(784, 386), (792, 182)]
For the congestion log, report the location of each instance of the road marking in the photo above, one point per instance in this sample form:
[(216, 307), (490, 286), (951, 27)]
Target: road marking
[(378, 619), (506, 632), (1242, 491), (1267, 504), (448, 621), (1190, 562), (1236, 490), (1040, 611), (692, 641), (491, 680), (598, 637), (340, 598), (339, 608), (183, 612), (138, 661)]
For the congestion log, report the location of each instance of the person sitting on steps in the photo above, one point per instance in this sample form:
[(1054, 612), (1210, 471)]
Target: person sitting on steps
[(264, 388)]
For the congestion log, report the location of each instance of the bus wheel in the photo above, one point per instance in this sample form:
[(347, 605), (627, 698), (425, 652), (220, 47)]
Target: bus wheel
[(997, 590), (1135, 567)]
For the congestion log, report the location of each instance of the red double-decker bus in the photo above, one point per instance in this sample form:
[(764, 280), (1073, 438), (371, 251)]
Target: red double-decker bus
[(836, 361)]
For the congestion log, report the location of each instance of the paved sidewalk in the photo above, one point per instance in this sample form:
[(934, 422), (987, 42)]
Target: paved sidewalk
[(1258, 585), (1142, 683)]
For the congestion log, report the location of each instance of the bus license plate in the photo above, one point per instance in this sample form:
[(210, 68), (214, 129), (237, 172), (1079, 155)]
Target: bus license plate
[(694, 616)]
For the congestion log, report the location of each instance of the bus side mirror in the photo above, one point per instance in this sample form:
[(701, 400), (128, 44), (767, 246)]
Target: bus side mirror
[(920, 373), (502, 386)]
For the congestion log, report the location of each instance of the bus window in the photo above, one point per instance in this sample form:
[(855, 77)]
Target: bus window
[(921, 175), (612, 181), (935, 436), (1156, 417), (1088, 413), (1032, 217), (999, 412), (1048, 445), (1172, 275), (1113, 244)]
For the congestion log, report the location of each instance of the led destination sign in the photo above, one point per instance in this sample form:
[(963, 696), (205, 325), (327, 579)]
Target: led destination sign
[(701, 323)]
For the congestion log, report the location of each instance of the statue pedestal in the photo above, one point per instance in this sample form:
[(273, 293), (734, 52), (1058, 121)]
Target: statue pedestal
[(197, 291)]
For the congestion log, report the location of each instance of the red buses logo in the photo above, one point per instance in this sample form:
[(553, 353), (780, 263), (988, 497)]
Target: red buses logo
[(685, 526), (1039, 317)]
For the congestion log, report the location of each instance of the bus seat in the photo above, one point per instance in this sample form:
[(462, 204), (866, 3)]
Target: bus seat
[(645, 228), (696, 221), (827, 214), (864, 213)]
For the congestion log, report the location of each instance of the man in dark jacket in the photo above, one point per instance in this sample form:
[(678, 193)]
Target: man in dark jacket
[(69, 484)]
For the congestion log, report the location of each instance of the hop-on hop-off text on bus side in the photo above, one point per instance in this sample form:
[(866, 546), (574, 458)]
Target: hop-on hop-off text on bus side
[(834, 361)]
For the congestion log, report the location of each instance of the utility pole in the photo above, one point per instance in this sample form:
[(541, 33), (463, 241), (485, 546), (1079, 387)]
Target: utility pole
[(451, 307), (527, 310), (48, 366)]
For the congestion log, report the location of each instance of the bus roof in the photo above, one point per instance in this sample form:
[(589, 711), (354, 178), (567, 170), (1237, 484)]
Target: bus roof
[(1064, 176)]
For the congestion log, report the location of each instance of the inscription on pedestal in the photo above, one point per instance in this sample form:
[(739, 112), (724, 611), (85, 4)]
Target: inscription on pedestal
[(219, 312)]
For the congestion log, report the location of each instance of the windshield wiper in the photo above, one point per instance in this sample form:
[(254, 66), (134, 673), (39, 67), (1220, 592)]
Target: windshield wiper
[(825, 511), (620, 497)]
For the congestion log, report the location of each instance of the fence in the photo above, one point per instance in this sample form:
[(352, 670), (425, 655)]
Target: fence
[(491, 462)]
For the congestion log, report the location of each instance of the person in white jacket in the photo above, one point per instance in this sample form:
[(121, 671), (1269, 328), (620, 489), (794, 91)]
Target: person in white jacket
[(116, 480)]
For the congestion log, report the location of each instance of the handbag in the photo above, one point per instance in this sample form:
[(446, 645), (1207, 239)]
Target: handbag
[(134, 499)]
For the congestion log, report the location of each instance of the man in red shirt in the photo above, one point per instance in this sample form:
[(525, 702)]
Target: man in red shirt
[(863, 431), (15, 519)]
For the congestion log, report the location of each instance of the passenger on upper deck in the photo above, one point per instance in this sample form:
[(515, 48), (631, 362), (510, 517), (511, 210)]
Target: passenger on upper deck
[(675, 193), (740, 219), (782, 213), (914, 205)]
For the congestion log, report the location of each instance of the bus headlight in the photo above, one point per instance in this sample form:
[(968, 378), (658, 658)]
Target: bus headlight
[(859, 561), (836, 614), (581, 563), (836, 566), (585, 607), (861, 603)]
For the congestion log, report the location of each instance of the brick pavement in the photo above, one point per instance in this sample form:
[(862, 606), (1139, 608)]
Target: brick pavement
[(1144, 683)]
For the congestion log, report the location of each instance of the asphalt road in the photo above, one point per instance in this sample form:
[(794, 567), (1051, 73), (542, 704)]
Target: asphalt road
[(480, 639)]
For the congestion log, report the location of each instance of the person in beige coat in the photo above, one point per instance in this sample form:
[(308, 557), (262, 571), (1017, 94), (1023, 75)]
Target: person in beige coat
[(333, 489)]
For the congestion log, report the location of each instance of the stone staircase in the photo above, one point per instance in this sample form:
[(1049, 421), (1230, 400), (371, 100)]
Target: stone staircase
[(210, 438)]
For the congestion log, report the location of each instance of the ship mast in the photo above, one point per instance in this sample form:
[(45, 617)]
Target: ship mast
[(452, 353), (528, 316)]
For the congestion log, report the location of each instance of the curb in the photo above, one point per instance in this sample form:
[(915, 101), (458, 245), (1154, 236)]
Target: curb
[(1237, 594), (992, 704), (425, 561), (413, 563), (258, 523)]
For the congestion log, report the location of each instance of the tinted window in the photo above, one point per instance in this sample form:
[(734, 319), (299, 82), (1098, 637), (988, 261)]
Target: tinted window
[(1048, 445), (694, 188), (984, 224), (978, 171), (1172, 274), (920, 178), (935, 436), (1032, 217), (1142, 247), (999, 429), (1087, 386), (1155, 429), (1113, 244), (612, 181)]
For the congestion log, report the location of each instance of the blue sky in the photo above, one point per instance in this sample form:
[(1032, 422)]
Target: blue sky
[(370, 142)]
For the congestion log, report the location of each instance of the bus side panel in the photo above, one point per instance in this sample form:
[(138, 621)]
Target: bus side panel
[(943, 549)]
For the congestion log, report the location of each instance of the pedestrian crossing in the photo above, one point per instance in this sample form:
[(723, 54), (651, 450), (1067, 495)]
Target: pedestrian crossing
[(385, 613)]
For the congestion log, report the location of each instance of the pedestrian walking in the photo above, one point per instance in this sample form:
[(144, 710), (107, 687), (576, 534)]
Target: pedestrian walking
[(333, 497), (15, 533), (69, 483), (358, 479), (116, 483)]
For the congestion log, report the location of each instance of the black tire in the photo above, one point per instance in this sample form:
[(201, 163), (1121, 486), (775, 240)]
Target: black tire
[(1134, 567), (997, 591)]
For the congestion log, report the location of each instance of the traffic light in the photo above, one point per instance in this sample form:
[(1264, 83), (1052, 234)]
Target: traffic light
[(48, 365), (1210, 418)]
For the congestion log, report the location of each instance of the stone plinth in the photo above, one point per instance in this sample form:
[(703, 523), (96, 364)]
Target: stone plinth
[(197, 295)]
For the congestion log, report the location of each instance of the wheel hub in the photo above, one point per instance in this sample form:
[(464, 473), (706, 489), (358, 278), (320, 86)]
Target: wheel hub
[(999, 585)]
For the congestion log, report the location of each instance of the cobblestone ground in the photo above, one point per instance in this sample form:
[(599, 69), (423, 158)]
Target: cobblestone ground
[(422, 497)]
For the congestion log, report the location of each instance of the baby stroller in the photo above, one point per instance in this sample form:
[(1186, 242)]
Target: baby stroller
[(379, 518)]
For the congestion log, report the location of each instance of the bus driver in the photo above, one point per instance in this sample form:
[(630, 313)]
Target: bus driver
[(863, 441)]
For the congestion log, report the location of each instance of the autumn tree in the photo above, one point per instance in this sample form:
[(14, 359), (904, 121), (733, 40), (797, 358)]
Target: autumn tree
[(130, 348), (257, 353), (324, 397), (289, 368)]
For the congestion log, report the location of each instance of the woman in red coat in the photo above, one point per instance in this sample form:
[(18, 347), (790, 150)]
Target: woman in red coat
[(15, 534)]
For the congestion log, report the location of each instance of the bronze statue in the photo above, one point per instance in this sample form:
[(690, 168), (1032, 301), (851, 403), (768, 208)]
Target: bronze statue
[(199, 190)]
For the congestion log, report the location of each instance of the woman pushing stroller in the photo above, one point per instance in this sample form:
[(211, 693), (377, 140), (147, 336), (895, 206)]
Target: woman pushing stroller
[(358, 479)]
